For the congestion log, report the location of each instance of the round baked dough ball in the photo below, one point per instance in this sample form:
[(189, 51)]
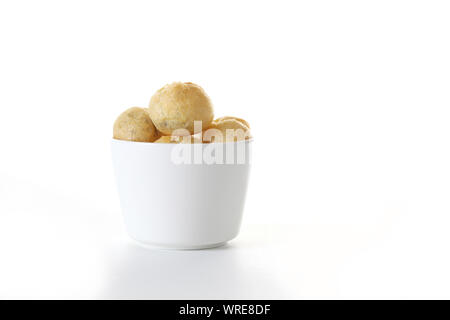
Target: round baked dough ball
[(178, 105), (134, 124), (226, 131), (235, 118)]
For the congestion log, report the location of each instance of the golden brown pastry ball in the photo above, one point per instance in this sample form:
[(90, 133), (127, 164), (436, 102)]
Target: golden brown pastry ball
[(235, 118), (178, 105), (226, 131), (134, 124)]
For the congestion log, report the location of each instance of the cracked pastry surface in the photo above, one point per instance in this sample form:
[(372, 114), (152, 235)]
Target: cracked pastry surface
[(245, 123), (134, 124), (226, 130), (178, 105)]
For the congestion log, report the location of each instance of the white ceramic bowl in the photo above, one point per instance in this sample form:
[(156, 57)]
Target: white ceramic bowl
[(169, 203)]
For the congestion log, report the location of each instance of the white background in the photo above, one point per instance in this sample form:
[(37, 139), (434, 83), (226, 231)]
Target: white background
[(349, 105)]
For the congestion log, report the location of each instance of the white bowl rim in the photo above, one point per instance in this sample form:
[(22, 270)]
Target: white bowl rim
[(174, 144)]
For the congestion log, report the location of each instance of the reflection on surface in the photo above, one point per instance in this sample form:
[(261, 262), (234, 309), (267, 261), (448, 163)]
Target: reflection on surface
[(220, 273)]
